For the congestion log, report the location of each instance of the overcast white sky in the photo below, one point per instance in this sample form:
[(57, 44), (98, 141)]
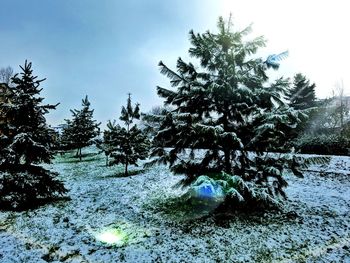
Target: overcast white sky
[(316, 33), (107, 48)]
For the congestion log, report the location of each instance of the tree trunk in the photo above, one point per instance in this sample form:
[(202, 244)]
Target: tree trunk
[(80, 154), (126, 169), (106, 160), (227, 154)]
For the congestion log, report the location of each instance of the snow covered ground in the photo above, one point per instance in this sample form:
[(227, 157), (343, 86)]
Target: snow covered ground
[(140, 215)]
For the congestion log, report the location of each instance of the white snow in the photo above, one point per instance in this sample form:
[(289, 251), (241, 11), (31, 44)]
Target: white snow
[(141, 210)]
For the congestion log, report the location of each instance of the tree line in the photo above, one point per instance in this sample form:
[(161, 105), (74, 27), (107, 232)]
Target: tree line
[(226, 106)]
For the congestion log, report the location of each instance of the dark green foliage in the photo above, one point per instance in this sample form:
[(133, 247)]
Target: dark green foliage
[(25, 136), (23, 187), (126, 144), (226, 107), (332, 144), (302, 94), (325, 133), (302, 97), (81, 130), (260, 194), (25, 139), (150, 121), (105, 145)]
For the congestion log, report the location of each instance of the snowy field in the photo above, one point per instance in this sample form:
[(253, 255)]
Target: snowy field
[(139, 214)]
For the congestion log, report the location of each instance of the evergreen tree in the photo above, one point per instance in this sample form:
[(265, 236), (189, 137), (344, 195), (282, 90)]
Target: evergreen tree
[(127, 144), (227, 107), (81, 130), (105, 144), (25, 140), (148, 122), (302, 94), (5, 93)]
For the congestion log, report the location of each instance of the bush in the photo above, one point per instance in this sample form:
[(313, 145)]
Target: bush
[(26, 187), (235, 193), (332, 144)]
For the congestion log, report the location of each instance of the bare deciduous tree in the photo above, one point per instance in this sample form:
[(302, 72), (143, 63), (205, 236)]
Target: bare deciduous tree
[(341, 106), (6, 74)]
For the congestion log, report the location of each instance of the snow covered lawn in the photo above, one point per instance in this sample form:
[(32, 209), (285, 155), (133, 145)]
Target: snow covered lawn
[(134, 214)]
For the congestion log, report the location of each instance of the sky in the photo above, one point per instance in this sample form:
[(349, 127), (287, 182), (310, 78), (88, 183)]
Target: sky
[(108, 48)]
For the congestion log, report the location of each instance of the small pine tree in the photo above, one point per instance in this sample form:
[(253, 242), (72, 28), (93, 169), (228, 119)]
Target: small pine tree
[(302, 94), (105, 145), (127, 144), (228, 108), (25, 140), (81, 130)]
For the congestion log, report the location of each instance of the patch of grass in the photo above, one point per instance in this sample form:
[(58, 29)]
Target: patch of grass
[(35, 204), (180, 207), (5, 222), (263, 254), (89, 154), (130, 173), (305, 251), (90, 157), (127, 232), (119, 172)]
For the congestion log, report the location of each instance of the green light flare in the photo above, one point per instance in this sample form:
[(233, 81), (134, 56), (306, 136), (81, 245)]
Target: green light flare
[(111, 236)]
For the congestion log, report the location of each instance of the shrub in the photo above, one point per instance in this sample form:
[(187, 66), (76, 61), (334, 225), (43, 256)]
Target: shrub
[(23, 187), (332, 144)]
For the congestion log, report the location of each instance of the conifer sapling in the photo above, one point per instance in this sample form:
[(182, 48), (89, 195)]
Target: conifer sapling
[(82, 129), (127, 144)]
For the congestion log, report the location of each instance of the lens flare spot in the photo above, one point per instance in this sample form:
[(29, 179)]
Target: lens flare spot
[(111, 237)]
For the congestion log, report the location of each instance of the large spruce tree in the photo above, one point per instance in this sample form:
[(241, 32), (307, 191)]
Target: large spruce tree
[(25, 140), (227, 107), (81, 130), (148, 123), (127, 144)]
